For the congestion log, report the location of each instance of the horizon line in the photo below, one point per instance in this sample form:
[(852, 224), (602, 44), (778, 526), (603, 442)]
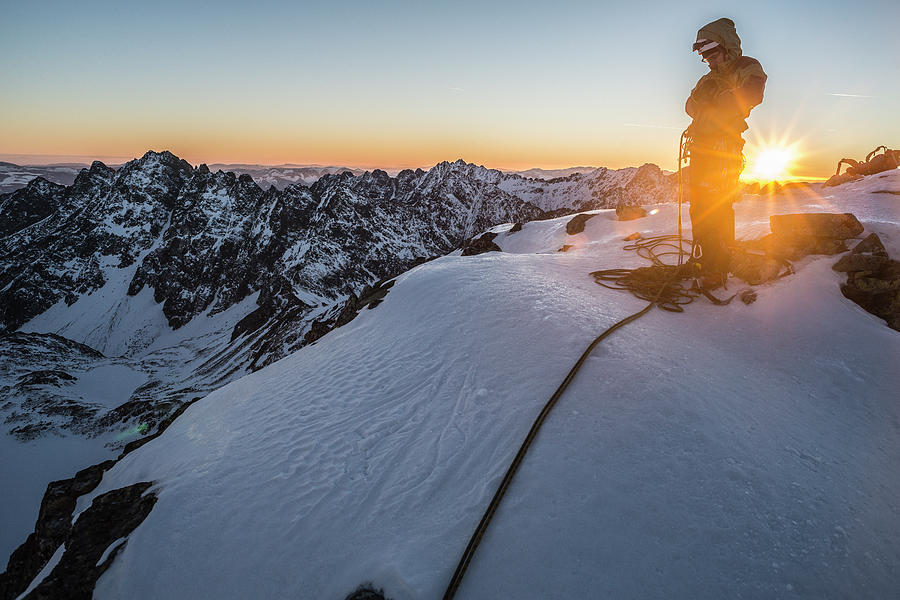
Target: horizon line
[(87, 159)]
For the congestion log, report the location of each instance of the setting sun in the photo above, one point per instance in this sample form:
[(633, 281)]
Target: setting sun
[(770, 163)]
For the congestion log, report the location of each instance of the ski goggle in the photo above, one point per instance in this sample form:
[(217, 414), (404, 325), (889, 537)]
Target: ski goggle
[(705, 46)]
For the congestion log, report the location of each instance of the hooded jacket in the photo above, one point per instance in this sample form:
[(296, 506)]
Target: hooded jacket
[(723, 98)]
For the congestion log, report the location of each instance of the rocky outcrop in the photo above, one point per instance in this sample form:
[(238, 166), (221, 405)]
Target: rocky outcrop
[(482, 244), (52, 529), (628, 212), (366, 592), (797, 235), (111, 516), (873, 280), (94, 542), (576, 223), (27, 206), (793, 237)]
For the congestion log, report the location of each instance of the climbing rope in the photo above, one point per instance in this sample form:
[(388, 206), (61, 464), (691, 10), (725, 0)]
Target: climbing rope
[(475, 540), (661, 284)]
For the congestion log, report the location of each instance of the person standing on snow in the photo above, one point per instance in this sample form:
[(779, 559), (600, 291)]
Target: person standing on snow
[(719, 105)]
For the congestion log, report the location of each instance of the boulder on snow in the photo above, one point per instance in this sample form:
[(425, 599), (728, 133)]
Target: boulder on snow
[(629, 212), (795, 247), (482, 244), (515, 228), (797, 235), (873, 280), (821, 225), (576, 223)]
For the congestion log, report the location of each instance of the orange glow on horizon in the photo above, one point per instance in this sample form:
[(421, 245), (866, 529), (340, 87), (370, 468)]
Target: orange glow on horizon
[(773, 160)]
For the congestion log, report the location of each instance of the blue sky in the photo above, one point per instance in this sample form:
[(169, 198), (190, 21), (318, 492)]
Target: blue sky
[(408, 84)]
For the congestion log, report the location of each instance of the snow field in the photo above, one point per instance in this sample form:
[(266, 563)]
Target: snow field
[(739, 451)]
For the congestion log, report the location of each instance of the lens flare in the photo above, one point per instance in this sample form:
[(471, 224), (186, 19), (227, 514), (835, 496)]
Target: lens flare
[(770, 163), (139, 429)]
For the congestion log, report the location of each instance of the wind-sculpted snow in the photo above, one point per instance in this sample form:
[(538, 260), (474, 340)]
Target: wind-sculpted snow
[(186, 279), (737, 451), (728, 451)]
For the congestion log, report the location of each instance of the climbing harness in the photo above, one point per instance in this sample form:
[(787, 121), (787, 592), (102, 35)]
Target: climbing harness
[(661, 285)]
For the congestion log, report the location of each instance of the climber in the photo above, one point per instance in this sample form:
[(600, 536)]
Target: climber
[(719, 105)]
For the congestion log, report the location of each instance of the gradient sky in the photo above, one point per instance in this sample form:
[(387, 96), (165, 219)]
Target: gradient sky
[(395, 84)]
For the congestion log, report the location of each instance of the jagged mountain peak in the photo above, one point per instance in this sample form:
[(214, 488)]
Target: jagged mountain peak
[(227, 233)]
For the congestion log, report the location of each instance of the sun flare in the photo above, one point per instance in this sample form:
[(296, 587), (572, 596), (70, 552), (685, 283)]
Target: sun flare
[(770, 163)]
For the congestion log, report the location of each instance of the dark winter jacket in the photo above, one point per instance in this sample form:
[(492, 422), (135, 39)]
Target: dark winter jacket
[(723, 98)]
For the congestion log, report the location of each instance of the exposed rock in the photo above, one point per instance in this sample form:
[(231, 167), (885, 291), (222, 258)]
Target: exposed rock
[(627, 212), (873, 280), (797, 235), (515, 228), (822, 225), (788, 247), (370, 297), (111, 516), (366, 592), (566, 248), (29, 205), (163, 425), (45, 377), (576, 224), (856, 263), (633, 237), (52, 529), (480, 245), (871, 244)]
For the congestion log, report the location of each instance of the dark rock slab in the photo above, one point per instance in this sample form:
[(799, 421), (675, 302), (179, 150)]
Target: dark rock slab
[(369, 297), (821, 225), (482, 244), (794, 247), (873, 280), (111, 516), (52, 529), (366, 592), (628, 212), (45, 377), (576, 224), (515, 228), (797, 235)]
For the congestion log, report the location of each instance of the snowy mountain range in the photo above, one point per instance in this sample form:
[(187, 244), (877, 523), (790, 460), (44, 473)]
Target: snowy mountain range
[(729, 451), (135, 290), (14, 177)]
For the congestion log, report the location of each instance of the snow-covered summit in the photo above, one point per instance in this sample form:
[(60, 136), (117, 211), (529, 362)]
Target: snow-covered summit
[(738, 451)]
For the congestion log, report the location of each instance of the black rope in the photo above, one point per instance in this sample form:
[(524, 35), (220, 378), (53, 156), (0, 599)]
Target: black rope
[(659, 284)]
